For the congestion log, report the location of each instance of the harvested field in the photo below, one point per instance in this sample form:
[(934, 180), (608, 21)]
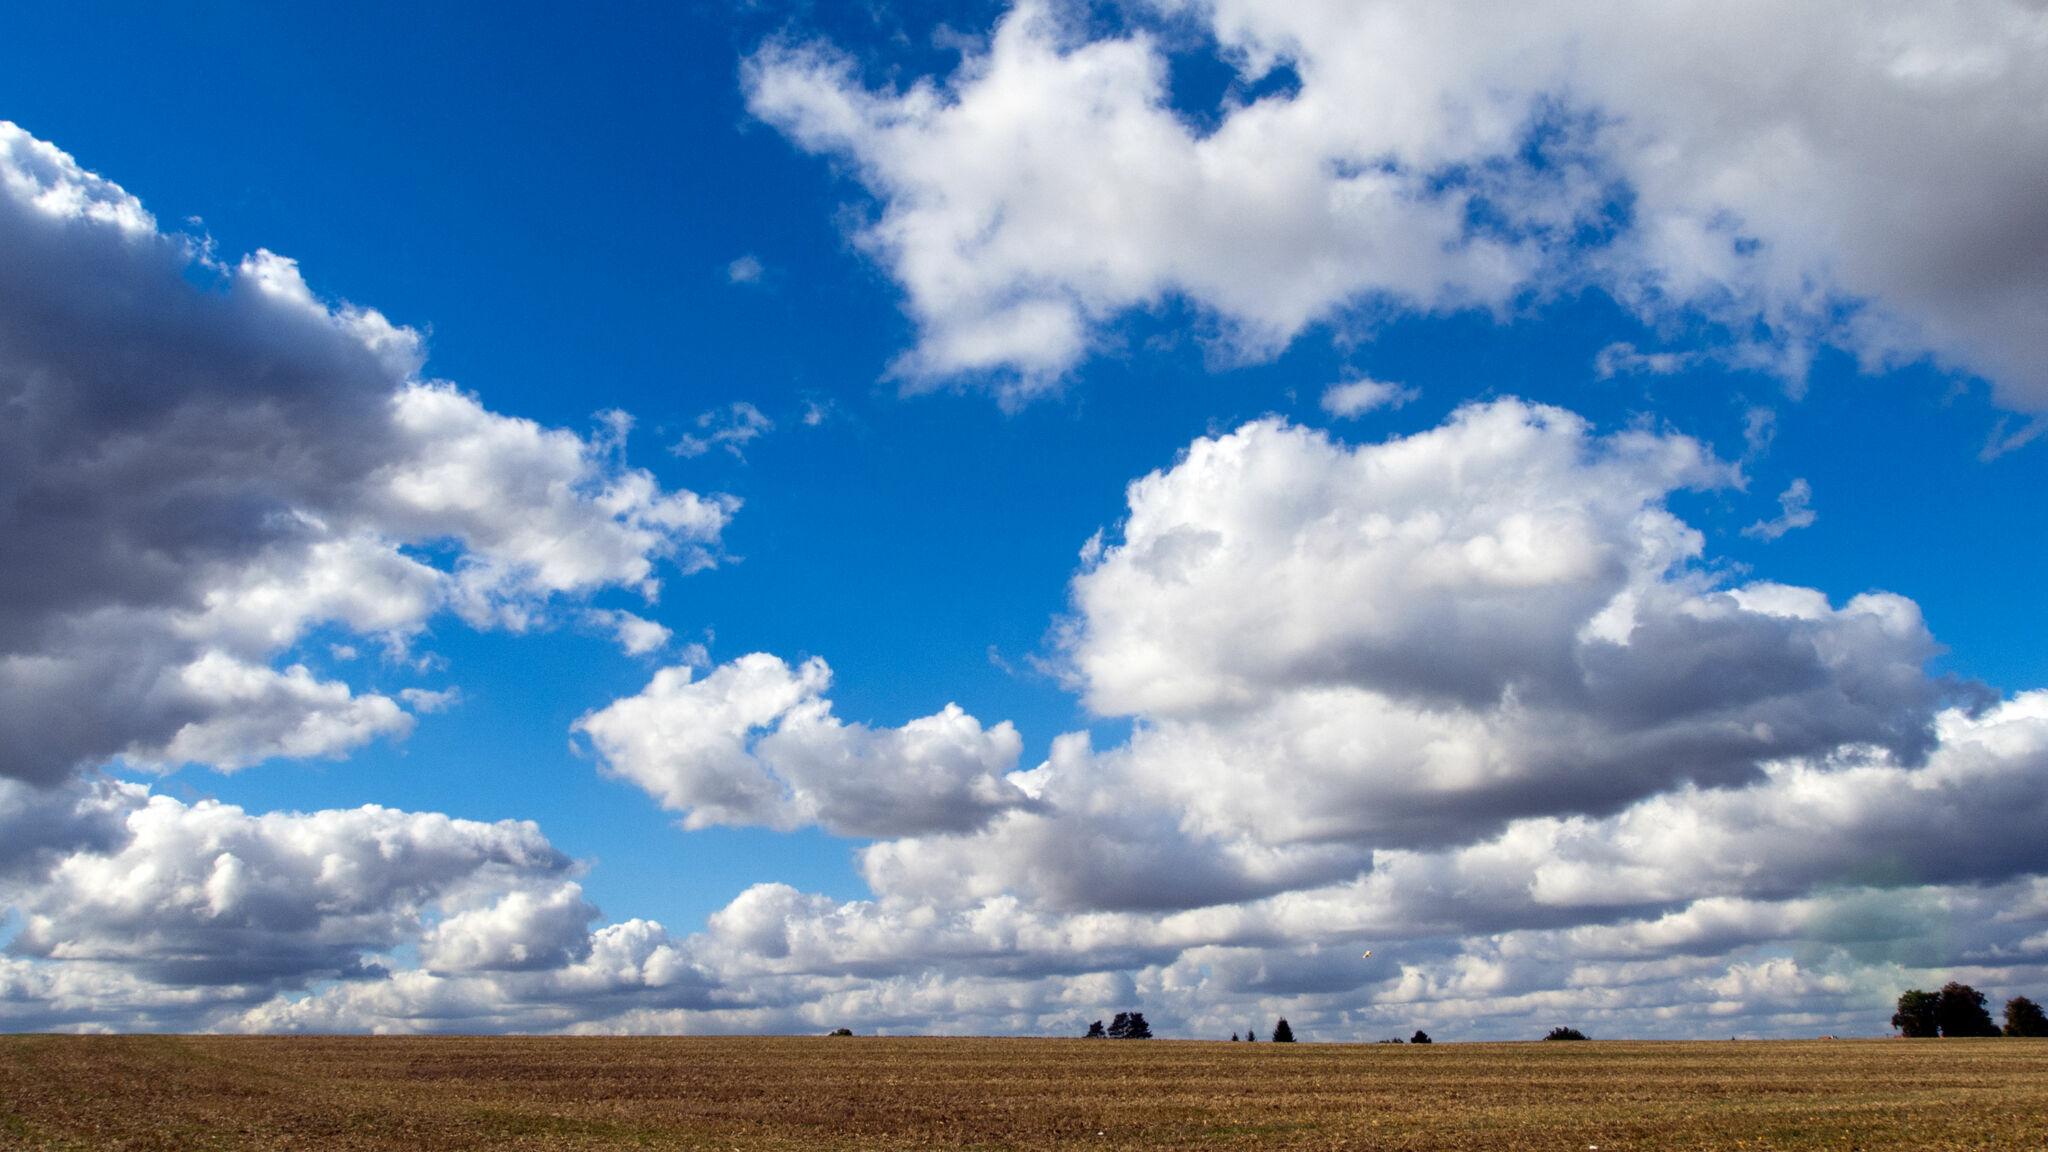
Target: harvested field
[(187, 1092)]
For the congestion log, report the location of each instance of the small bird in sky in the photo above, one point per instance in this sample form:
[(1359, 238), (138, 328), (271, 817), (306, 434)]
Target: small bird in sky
[(1367, 956)]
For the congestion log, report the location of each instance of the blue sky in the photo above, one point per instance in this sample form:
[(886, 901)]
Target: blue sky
[(1495, 387)]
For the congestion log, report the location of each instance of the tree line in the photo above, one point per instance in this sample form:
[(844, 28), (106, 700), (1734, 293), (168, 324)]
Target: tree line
[(1132, 1026), (1958, 1010)]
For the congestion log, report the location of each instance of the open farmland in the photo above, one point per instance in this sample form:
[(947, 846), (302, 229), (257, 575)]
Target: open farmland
[(157, 1092)]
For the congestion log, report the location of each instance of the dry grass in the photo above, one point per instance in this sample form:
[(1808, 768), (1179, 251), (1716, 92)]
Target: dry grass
[(154, 1092)]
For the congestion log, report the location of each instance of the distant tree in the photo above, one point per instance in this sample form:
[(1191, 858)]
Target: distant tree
[(1251, 1034), (2023, 1017), (1282, 1034), (1563, 1033), (1095, 1031), (1915, 1017), (1233, 1037), (842, 1031), (1960, 1012), (1129, 1026), (1420, 1037)]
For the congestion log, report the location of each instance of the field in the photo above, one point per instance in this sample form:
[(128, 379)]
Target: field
[(157, 1092)]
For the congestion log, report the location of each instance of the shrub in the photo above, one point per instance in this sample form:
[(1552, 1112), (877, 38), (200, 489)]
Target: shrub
[(842, 1032), (2023, 1017), (1095, 1032), (1563, 1033), (1282, 1034), (1420, 1037)]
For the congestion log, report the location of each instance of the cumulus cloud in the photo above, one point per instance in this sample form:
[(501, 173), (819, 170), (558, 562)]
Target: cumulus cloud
[(207, 895), (1837, 173), (1471, 698), (1468, 697), (1339, 651), (755, 742), (141, 911), (1355, 398), (201, 463)]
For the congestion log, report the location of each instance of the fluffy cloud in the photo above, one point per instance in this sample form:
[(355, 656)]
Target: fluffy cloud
[(185, 909), (1471, 698), (1492, 619), (196, 477), (1844, 173), (755, 742)]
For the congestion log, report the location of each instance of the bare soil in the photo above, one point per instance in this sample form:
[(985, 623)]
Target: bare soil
[(431, 1094)]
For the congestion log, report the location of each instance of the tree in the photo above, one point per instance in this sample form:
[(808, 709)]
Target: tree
[(1130, 1026), (1282, 1034), (1960, 1012), (1563, 1033), (2023, 1017), (1233, 1037), (1095, 1032), (1251, 1034), (842, 1032), (1420, 1037), (1915, 1018)]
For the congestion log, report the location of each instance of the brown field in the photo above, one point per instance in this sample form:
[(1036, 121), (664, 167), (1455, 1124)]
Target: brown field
[(202, 1092)]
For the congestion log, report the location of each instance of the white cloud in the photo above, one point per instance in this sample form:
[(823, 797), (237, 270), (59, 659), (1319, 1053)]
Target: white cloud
[(225, 470), (747, 269), (1355, 398), (254, 712), (636, 635), (206, 895), (755, 742), (521, 930), (1846, 173), (733, 429), (1466, 697), (1795, 511), (1622, 359)]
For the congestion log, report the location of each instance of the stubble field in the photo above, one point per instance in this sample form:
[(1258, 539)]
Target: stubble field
[(156, 1092)]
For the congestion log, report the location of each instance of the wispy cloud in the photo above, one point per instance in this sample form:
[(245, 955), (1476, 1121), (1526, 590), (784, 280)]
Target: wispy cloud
[(1354, 398), (731, 428), (1795, 511)]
